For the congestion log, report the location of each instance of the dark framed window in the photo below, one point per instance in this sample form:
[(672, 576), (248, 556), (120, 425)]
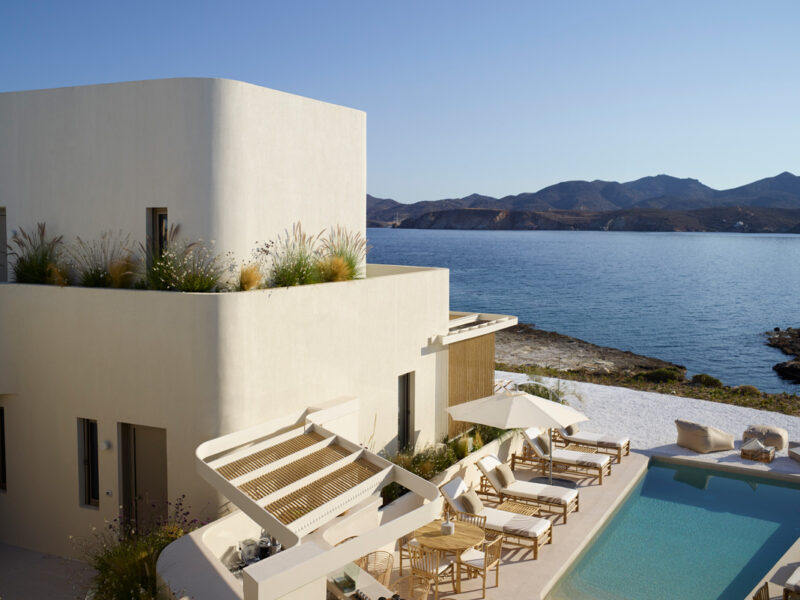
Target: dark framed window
[(404, 412), (90, 479), (2, 449)]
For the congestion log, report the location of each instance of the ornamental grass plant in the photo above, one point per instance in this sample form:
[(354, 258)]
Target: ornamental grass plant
[(349, 247), (294, 257), (105, 262), (37, 257)]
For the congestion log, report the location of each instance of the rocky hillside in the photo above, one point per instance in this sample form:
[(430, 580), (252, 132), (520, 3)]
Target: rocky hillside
[(660, 203)]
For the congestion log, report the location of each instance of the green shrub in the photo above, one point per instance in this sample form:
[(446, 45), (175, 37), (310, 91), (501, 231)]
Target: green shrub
[(294, 259), (748, 390), (37, 257), (536, 389), (662, 375), (706, 380), (105, 262), (124, 559), (349, 247)]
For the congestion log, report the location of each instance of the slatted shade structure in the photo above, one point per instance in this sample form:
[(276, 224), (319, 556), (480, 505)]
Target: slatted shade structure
[(293, 482)]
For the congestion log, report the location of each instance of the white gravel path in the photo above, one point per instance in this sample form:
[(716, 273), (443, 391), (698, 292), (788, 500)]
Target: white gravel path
[(648, 419)]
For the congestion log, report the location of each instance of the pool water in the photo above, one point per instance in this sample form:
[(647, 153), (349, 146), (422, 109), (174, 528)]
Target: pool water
[(687, 533)]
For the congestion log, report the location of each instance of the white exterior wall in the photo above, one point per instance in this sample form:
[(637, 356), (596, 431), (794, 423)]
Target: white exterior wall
[(198, 365), (233, 162)]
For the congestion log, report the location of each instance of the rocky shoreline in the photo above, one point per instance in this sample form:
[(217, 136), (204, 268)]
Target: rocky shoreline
[(788, 342), (524, 345)]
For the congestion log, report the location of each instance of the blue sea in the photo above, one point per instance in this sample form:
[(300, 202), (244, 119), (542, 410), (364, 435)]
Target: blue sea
[(702, 300)]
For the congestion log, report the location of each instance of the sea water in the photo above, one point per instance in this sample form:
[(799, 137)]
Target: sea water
[(701, 300)]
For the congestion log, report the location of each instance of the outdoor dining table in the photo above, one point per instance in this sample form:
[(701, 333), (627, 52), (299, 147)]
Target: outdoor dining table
[(466, 535)]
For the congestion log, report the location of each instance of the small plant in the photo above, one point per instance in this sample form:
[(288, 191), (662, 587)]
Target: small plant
[(477, 440), (93, 262), (124, 558), (706, 380), (294, 259), (662, 375), (349, 247), (250, 277), (333, 268), (747, 390), (186, 266), (37, 257), (537, 389)]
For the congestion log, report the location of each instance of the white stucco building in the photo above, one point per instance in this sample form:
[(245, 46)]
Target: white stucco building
[(105, 393)]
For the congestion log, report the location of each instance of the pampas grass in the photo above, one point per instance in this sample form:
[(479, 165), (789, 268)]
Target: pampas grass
[(294, 258), (92, 261), (333, 268), (350, 247), (37, 257)]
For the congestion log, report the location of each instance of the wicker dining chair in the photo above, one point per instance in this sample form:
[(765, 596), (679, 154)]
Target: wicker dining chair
[(425, 563), (472, 519), (378, 564), (412, 587), (402, 548), (478, 562)]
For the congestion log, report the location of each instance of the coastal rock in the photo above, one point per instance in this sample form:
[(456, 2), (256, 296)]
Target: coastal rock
[(524, 345), (788, 342)]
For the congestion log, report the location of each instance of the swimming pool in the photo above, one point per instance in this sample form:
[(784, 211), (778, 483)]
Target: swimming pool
[(687, 533)]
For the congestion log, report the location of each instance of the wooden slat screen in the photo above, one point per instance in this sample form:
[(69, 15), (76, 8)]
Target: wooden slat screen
[(470, 375)]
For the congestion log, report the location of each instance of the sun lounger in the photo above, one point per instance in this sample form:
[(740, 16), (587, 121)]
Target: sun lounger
[(552, 498), (520, 529), (563, 460), (617, 446)]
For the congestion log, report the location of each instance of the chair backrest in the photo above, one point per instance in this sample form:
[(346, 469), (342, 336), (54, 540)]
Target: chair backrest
[(762, 593), (492, 552), (452, 490), (412, 587), (472, 519), (424, 562), (378, 564), (487, 465), (530, 436)]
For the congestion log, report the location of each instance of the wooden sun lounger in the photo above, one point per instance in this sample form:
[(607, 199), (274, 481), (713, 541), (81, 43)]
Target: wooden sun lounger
[(554, 499), (563, 460), (616, 447), (518, 524)]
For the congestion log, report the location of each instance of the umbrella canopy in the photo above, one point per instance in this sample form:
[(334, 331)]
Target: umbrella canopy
[(509, 410)]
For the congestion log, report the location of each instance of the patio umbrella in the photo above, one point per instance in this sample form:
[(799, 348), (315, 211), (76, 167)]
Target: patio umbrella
[(512, 410)]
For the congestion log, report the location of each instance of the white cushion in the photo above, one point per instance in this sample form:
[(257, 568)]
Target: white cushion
[(581, 458), (472, 557), (513, 524), (793, 583), (590, 438), (540, 491), (452, 491)]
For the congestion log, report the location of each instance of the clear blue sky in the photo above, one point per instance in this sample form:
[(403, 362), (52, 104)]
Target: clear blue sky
[(490, 97)]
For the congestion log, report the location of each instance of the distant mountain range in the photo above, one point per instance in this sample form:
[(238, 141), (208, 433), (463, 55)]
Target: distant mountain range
[(659, 203)]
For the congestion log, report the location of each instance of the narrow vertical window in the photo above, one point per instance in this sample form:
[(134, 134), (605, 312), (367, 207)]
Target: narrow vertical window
[(90, 480), (404, 412), (157, 230), (2, 449)]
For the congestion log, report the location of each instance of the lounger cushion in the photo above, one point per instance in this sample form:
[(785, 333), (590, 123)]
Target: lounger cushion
[(590, 438), (581, 459), (702, 438), (542, 492), (514, 524), (776, 437), (794, 454), (471, 502), (504, 475), (544, 441), (793, 583)]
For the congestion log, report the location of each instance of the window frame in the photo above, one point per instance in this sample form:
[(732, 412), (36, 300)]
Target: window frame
[(89, 462)]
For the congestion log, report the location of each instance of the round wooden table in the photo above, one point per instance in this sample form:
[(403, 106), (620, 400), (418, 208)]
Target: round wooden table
[(465, 536)]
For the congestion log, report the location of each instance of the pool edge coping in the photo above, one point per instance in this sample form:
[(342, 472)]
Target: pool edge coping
[(592, 533)]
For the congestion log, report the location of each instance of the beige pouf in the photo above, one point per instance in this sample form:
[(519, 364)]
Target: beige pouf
[(702, 438), (794, 451), (777, 437)]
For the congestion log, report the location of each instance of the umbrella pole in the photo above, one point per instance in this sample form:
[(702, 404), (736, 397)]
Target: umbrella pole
[(550, 433)]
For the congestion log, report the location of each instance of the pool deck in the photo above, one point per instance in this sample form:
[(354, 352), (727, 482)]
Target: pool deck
[(526, 579)]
